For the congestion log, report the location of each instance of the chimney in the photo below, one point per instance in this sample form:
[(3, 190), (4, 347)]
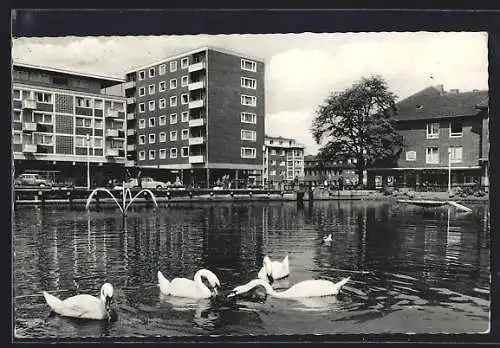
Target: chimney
[(440, 88), (454, 91)]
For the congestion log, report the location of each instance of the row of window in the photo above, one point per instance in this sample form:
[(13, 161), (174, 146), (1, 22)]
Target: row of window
[(162, 69), (273, 152), (456, 129), (246, 117), (48, 139), (163, 153), (162, 103), (283, 163), (245, 135), (432, 155)]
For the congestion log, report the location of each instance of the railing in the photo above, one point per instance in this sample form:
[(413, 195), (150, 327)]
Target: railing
[(197, 122), (196, 103), (129, 85), (111, 113), (197, 159), (131, 100), (131, 147), (131, 116), (197, 66), (196, 85), (131, 131), (29, 127), (113, 133), (29, 104), (196, 140), (112, 152), (29, 148)]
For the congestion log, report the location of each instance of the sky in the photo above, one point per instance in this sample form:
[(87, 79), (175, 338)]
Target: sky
[(301, 69)]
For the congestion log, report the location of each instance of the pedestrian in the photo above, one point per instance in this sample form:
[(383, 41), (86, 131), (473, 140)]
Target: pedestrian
[(139, 179)]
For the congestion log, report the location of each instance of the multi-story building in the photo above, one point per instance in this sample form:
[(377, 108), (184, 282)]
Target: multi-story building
[(439, 129), (198, 115), (317, 172), (62, 120), (283, 160)]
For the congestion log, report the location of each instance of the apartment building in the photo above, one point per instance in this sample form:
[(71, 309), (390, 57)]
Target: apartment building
[(317, 172), (283, 160), (440, 129), (198, 115), (61, 120)]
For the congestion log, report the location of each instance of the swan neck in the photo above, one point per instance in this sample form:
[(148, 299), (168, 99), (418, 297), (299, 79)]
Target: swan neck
[(198, 281)]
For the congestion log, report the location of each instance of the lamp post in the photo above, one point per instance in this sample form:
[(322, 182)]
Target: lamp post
[(449, 170), (88, 161)]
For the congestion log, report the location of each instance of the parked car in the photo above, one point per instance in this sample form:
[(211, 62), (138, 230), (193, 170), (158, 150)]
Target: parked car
[(146, 182), (32, 180)]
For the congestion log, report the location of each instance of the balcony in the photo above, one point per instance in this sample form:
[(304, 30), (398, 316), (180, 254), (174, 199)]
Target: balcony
[(131, 131), (29, 127), (196, 85), (112, 152), (130, 100), (196, 103), (29, 148), (131, 147), (131, 116), (111, 113), (29, 104), (196, 140), (112, 133), (197, 122), (129, 85), (197, 159), (197, 66)]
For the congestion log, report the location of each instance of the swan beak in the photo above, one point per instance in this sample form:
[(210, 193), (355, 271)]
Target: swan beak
[(109, 299), (270, 278), (215, 290), (231, 294)]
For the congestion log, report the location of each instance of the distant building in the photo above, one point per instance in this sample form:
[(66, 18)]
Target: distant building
[(283, 160), (199, 115), (439, 128), (62, 119), (316, 172)]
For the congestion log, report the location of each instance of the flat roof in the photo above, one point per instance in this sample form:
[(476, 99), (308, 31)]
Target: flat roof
[(185, 53), (62, 71)]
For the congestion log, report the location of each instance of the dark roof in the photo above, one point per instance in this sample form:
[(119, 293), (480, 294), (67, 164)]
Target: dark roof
[(431, 103)]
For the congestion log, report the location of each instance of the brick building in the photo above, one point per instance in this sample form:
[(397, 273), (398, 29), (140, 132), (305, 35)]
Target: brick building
[(283, 160), (439, 128), (197, 115), (316, 172), (61, 120)]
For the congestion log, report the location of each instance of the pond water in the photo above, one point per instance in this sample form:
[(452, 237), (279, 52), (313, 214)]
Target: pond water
[(413, 270)]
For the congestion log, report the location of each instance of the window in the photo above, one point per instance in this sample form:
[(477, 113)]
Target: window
[(456, 129), (273, 152), (184, 63), (142, 75), (98, 104), (433, 130), (16, 138), (185, 134), (248, 117), (163, 120), (162, 103), (163, 153), (142, 139), (151, 72), (248, 65), (152, 122), (142, 91), (282, 153), (16, 94), (142, 107), (142, 155), (162, 70), (43, 139), (248, 135), (173, 84), (248, 152), (17, 116), (162, 86), (152, 154), (83, 102), (173, 66), (432, 155), (185, 151), (248, 100), (151, 89), (456, 153), (273, 172), (184, 81), (273, 162), (173, 135), (411, 155), (173, 101), (282, 163), (97, 142), (43, 118), (248, 83), (98, 124), (184, 116), (163, 137), (173, 118), (173, 152), (184, 98), (151, 105), (152, 138), (81, 141), (83, 122)]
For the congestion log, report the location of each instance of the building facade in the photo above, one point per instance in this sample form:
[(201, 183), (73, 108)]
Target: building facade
[(334, 172), (63, 121), (283, 160), (197, 115), (440, 130)]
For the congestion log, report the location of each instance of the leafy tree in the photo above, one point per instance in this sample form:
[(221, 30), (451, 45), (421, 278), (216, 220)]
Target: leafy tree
[(357, 124)]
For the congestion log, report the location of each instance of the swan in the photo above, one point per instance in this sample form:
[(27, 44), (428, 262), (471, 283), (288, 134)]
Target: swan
[(327, 239), (183, 287), (306, 288), (273, 270), (83, 305)]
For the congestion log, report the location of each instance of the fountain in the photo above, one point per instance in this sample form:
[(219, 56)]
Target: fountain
[(126, 193)]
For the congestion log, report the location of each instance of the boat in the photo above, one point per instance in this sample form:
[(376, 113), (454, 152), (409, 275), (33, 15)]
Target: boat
[(433, 204)]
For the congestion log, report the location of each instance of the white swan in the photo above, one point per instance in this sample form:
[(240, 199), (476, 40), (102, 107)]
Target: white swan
[(183, 287), (327, 239), (273, 270), (83, 305), (306, 288)]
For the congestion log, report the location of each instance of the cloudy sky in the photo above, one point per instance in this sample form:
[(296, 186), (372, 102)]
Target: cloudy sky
[(301, 69)]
